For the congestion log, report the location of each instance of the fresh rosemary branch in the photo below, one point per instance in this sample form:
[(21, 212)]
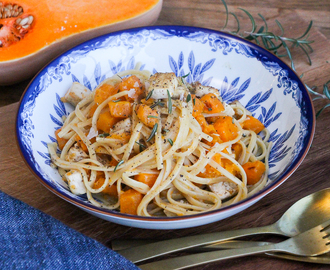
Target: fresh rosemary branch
[(325, 95), (268, 39), (274, 43)]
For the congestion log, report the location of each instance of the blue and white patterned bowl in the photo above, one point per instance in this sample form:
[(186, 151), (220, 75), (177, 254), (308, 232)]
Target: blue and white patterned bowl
[(241, 70)]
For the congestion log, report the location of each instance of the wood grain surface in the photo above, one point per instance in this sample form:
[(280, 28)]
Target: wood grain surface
[(18, 181)]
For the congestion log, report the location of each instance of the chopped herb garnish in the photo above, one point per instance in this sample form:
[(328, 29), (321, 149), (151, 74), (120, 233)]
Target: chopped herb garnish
[(210, 109), (194, 101), (169, 102), (165, 130), (153, 132), (142, 146), (150, 94), (184, 76), (103, 135), (119, 163), (156, 104), (116, 100), (188, 98), (232, 120), (170, 141), (152, 116)]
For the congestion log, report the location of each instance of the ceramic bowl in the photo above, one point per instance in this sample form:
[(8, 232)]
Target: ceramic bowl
[(239, 69)]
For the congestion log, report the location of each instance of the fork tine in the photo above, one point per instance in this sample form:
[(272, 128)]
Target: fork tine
[(325, 225), (326, 229), (310, 243)]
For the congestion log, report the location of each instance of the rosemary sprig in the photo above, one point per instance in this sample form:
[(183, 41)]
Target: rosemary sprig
[(150, 94), (158, 103), (269, 40), (169, 102), (274, 43), (103, 135), (120, 162), (183, 77), (188, 98), (325, 95), (141, 146), (153, 132)]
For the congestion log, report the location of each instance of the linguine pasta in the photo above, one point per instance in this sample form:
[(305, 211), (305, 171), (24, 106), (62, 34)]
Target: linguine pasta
[(158, 146)]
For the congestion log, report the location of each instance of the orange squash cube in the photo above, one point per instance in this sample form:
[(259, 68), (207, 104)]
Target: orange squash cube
[(148, 116), (60, 141), (106, 121), (254, 171), (120, 109), (226, 128), (134, 85), (110, 190), (212, 104), (146, 178), (254, 124), (105, 91), (129, 201)]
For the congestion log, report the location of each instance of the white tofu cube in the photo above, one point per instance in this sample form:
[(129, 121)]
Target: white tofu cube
[(224, 189), (123, 125), (76, 93), (201, 90), (75, 182), (75, 154), (228, 109), (159, 83)]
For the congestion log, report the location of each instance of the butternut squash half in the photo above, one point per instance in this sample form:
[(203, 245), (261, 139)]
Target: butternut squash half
[(32, 32)]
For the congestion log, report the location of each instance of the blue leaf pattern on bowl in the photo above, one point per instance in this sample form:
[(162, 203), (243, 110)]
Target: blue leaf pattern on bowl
[(258, 104)]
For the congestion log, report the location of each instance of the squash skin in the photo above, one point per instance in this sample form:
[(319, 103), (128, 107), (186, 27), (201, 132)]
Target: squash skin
[(22, 68)]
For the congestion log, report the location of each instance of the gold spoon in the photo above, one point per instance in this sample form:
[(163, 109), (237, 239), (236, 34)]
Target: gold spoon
[(305, 214)]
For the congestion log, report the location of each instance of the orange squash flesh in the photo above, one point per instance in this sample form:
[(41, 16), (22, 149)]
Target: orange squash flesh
[(56, 20)]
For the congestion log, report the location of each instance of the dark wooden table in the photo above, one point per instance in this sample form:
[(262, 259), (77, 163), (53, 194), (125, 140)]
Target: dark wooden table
[(310, 176)]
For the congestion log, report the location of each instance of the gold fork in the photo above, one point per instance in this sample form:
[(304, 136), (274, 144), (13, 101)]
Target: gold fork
[(310, 243)]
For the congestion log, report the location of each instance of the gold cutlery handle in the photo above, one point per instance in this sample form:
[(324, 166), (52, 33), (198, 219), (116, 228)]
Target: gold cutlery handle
[(206, 257), (322, 259), (152, 250)]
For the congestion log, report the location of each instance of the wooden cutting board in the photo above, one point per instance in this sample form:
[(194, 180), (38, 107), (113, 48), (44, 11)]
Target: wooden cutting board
[(18, 181)]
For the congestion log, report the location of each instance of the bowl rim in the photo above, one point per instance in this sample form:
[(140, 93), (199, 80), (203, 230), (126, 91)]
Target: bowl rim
[(115, 214)]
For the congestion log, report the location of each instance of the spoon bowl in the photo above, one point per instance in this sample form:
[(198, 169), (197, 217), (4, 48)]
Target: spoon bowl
[(305, 214)]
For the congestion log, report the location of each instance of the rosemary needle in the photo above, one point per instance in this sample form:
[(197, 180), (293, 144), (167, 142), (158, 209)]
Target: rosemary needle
[(103, 135), (150, 94), (170, 141), (153, 132), (169, 102), (120, 162)]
